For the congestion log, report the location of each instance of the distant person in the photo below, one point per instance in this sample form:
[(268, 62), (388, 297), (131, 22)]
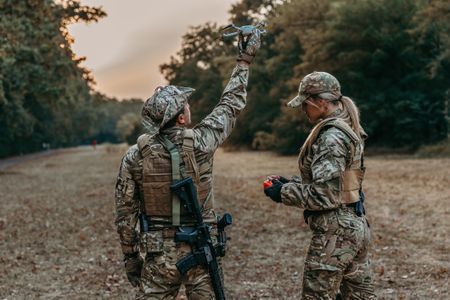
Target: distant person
[(94, 144), (147, 171), (329, 189)]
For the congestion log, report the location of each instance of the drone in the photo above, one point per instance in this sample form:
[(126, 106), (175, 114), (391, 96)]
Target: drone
[(245, 30)]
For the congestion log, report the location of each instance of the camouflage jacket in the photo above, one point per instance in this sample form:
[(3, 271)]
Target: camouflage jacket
[(319, 187), (209, 134)]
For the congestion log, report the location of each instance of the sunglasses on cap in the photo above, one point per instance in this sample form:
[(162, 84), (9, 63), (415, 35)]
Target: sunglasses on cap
[(309, 96)]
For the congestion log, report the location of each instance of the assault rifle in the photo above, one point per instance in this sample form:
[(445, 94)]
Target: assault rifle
[(203, 253)]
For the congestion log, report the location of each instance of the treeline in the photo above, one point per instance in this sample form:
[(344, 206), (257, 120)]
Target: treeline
[(46, 97), (391, 56)]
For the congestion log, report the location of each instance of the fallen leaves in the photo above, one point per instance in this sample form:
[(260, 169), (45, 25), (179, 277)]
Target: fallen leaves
[(58, 224)]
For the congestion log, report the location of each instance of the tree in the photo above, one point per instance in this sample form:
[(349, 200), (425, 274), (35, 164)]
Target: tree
[(371, 49), (378, 50), (391, 56), (44, 93), (205, 62), (108, 112), (129, 128)]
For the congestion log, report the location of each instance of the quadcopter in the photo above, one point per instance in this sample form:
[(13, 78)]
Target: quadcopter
[(245, 30)]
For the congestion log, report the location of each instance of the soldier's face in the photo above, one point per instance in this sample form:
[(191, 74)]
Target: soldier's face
[(313, 109)]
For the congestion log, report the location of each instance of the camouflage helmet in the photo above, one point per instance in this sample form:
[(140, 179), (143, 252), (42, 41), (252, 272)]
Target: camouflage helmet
[(163, 105), (313, 84)]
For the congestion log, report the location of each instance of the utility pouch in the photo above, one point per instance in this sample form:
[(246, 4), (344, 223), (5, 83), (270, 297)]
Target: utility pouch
[(153, 242), (358, 207)]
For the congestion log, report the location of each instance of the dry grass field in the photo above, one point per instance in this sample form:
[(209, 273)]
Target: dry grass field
[(58, 238)]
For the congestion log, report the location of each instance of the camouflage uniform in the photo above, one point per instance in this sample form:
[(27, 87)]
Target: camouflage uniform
[(338, 253), (159, 278)]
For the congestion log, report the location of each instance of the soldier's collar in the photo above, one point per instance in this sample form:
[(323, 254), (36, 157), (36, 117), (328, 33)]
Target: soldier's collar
[(335, 113), (174, 133)]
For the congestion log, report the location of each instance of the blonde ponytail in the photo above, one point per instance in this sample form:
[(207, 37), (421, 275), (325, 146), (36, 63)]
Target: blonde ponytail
[(350, 114)]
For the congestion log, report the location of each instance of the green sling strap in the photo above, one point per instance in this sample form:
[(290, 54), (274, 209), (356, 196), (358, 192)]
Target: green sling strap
[(178, 172)]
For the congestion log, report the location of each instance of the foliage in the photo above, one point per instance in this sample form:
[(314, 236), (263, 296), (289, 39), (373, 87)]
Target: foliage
[(46, 96), (441, 149), (383, 67), (109, 111), (391, 56), (128, 128), (44, 93)]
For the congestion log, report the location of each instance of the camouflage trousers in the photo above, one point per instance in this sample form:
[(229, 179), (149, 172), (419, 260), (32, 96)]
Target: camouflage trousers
[(160, 279), (337, 257)]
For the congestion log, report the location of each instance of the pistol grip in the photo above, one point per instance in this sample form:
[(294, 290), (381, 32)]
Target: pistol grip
[(186, 263)]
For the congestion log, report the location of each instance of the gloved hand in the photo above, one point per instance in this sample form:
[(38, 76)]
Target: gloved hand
[(249, 45), (282, 179), (133, 267), (279, 178), (274, 191)]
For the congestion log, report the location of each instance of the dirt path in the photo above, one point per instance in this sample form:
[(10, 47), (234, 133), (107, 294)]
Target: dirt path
[(6, 163), (12, 161), (59, 240)]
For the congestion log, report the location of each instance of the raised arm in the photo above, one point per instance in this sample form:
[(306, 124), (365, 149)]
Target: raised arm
[(212, 131)]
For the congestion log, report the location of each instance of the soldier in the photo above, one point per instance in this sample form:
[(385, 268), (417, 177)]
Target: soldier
[(329, 189), (146, 173)]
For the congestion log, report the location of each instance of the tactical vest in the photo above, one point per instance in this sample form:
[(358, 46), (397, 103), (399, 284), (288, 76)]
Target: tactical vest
[(352, 178), (158, 201)]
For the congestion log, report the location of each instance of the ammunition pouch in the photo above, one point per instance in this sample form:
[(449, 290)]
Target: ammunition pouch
[(351, 185), (152, 242)]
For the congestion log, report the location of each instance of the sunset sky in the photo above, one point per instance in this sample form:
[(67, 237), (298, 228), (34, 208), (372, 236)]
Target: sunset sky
[(124, 50)]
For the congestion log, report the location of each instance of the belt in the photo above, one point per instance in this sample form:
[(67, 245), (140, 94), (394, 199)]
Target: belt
[(168, 232), (309, 213), (165, 232)]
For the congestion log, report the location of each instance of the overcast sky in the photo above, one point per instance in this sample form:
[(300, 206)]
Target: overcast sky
[(124, 49)]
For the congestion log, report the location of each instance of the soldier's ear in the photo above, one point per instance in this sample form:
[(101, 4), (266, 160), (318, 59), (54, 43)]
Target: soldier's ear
[(181, 119)]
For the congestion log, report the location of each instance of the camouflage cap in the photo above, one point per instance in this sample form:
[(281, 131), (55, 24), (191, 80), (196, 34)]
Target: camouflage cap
[(163, 105), (313, 84)]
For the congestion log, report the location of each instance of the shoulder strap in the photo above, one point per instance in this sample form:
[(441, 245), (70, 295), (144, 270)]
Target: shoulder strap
[(334, 122), (352, 135), (345, 128), (143, 144), (188, 140), (306, 148), (175, 158)]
